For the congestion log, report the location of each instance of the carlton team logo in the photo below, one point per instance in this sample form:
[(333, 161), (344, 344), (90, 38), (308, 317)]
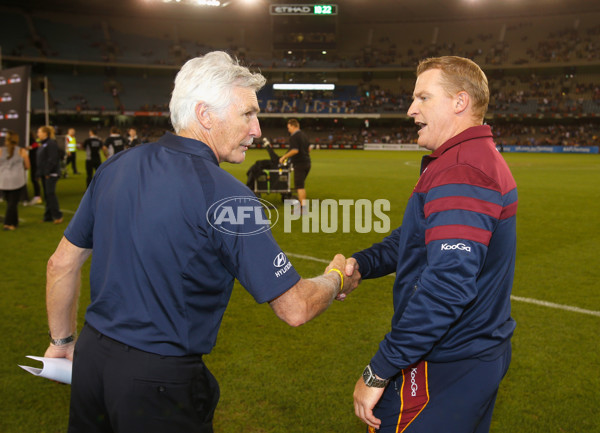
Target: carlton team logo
[(242, 216)]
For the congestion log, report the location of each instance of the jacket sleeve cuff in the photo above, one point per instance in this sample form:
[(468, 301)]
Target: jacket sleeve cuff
[(363, 265), (382, 368)]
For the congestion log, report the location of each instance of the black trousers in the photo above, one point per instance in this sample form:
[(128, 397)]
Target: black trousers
[(300, 174), (35, 181), (12, 204), (52, 211), (90, 168), (37, 190), (72, 159), (116, 388)]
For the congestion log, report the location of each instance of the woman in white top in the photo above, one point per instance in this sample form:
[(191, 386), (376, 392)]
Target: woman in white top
[(14, 160)]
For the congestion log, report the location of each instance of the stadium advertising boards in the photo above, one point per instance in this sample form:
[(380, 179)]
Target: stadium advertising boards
[(551, 149), (14, 102)]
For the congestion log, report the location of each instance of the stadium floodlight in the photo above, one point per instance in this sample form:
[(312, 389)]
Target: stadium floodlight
[(297, 86)]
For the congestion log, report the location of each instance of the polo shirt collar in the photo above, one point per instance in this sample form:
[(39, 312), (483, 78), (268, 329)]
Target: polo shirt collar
[(474, 132), (188, 145)]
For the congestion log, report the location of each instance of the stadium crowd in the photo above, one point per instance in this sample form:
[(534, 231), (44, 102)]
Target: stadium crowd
[(506, 134), (516, 93)]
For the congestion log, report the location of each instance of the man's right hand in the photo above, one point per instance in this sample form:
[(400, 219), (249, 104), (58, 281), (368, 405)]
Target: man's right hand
[(352, 278)]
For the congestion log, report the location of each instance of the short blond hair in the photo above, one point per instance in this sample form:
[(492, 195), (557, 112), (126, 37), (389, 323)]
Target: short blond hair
[(461, 74), (49, 131)]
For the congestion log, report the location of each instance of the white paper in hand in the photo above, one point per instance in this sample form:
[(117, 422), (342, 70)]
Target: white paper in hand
[(58, 369)]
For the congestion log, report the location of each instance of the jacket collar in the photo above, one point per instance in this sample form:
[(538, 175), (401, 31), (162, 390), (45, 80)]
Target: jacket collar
[(188, 145)]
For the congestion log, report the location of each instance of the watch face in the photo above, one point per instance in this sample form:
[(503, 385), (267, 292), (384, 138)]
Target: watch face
[(367, 375), (371, 380)]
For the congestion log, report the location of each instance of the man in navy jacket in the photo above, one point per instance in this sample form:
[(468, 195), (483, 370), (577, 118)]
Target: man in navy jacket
[(440, 366)]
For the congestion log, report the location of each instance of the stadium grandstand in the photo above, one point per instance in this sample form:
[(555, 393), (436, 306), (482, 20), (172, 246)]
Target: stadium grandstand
[(106, 63)]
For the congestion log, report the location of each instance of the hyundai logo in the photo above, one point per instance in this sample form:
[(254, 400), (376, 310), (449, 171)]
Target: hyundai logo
[(280, 260)]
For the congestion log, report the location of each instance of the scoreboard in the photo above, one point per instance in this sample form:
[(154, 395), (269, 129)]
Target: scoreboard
[(304, 27), (303, 9)]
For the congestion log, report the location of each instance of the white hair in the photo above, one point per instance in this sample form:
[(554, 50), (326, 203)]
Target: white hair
[(208, 79)]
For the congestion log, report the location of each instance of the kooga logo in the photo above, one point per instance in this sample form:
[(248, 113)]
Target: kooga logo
[(459, 246), (242, 216)]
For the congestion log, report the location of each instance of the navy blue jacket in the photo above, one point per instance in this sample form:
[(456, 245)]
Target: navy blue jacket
[(454, 258), (48, 159)]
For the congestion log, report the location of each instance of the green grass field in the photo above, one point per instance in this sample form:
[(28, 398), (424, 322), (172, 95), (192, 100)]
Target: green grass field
[(277, 379)]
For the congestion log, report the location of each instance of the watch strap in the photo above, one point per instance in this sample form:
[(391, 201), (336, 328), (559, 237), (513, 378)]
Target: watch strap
[(61, 341)]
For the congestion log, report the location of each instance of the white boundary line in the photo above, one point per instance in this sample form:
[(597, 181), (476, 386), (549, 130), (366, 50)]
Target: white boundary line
[(557, 306), (514, 298), (41, 206), (314, 259)]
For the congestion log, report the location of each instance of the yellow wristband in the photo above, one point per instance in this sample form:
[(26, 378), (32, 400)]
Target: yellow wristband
[(341, 277)]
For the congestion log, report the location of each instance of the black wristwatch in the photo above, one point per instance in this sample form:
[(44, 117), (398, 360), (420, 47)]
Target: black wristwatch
[(371, 380), (61, 341)]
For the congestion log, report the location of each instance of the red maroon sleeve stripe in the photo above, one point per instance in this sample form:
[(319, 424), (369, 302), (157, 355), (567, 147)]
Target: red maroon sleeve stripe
[(468, 177), (509, 211), (457, 231), (463, 203)]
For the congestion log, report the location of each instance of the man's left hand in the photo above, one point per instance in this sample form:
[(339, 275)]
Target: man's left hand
[(365, 399), (64, 351)]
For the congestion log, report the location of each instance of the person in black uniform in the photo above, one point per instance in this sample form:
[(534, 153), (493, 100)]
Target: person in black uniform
[(92, 146), (299, 155), (133, 139), (48, 170), (115, 143)]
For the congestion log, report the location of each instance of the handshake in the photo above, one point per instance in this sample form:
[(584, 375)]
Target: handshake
[(348, 272), (310, 297)]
